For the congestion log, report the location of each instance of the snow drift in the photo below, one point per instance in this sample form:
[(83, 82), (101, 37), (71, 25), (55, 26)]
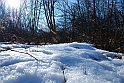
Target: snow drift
[(59, 63)]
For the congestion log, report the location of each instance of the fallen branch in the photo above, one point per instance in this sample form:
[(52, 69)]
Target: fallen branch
[(25, 53)]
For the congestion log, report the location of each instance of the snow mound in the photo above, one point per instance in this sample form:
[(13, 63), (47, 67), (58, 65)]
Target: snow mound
[(82, 46), (59, 63)]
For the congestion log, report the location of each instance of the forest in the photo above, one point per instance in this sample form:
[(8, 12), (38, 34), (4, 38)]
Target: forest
[(100, 22)]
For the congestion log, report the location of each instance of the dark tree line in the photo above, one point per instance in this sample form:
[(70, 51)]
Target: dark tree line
[(100, 22)]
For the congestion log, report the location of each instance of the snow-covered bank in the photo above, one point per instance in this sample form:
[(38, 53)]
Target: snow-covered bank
[(59, 63)]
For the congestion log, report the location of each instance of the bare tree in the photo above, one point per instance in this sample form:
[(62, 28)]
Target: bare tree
[(49, 6)]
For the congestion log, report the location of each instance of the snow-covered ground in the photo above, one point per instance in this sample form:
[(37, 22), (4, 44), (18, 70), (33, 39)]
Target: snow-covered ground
[(59, 63)]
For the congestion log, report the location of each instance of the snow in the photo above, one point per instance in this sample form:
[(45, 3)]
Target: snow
[(59, 63)]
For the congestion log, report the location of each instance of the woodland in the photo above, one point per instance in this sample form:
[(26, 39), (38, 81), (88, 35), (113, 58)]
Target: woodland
[(100, 22)]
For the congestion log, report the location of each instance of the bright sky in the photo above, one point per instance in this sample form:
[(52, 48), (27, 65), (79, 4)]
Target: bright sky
[(13, 3)]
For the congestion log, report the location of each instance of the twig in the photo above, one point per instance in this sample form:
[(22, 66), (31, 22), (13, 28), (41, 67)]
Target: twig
[(63, 68), (25, 53)]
